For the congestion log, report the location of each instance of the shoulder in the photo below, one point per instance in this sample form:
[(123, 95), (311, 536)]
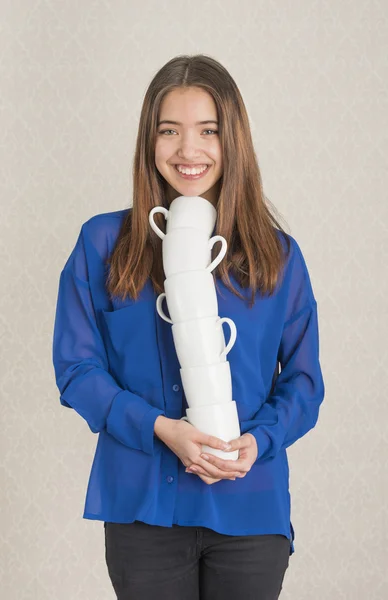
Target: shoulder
[(95, 240), (295, 265), (101, 230), (297, 273), (105, 222), (290, 247)]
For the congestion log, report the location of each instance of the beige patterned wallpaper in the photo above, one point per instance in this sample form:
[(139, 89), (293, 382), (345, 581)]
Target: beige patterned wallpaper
[(314, 79)]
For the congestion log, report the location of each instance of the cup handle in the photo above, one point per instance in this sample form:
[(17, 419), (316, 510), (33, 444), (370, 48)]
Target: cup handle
[(159, 308), (233, 335), (221, 254), (157, 209)]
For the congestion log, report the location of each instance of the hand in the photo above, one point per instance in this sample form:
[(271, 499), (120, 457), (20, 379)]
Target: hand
[(186, 442), (208, 480), (215, 468)]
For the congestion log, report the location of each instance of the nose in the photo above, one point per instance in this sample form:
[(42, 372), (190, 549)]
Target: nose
[(187, 148)]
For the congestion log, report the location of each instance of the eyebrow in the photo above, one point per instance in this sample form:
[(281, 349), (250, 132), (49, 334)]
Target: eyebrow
[(177, 122)]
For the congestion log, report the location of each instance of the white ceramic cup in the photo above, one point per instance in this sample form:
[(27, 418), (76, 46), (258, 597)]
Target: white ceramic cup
[(207, 384), (189, 249), (201, 341), (190, 295), (186, 211), (220, 420)]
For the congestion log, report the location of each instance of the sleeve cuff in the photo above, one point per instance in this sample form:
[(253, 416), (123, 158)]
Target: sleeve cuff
[(147, 430), (131, 421), (262, 439)]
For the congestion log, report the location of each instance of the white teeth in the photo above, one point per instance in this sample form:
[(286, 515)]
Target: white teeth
[(187, 171)]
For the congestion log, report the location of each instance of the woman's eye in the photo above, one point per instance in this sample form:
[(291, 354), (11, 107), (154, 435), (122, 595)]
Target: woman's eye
[(167, 130)]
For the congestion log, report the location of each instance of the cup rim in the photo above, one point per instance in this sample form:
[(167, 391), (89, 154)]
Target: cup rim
[(204, 201), (220, 404), (215, 317), (211, 366), (204, 273), (202, 231)]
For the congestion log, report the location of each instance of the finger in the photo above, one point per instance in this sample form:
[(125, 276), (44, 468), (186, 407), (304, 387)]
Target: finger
[(213, 470), (213, 441), (208, 480), (195, 468), (236, 468), (201, 473), (238, 443), (198, 471), (225, 465)]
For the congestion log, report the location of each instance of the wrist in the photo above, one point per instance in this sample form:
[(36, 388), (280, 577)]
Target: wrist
[(163, 426)]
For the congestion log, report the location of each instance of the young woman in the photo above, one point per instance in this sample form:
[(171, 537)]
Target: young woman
[(179, 525)]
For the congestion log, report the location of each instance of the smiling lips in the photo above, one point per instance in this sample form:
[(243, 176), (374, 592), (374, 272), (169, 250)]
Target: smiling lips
[(187, 171)]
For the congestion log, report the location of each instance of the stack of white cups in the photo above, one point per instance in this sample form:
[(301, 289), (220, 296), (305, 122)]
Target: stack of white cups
[(196, 327)]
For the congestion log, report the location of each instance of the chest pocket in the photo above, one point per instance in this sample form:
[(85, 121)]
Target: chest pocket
[(131, 342)]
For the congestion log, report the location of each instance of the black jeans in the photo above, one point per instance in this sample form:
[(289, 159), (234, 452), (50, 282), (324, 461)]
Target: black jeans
[(149, 562)]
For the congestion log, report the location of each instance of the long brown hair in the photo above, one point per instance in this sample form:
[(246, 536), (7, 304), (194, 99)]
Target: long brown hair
[(255, 254)]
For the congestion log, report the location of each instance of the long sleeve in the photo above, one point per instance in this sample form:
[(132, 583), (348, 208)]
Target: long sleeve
[(293, 407), (81, 364)]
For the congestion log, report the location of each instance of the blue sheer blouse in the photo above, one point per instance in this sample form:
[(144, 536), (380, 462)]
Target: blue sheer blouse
[(115, 364)]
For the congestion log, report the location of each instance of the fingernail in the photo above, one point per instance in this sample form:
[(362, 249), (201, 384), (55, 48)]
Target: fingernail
[(194, 469), (205, 456), (227, 446)]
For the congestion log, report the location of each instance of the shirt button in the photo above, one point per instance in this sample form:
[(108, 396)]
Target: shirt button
[(176, 387), (170, 479)]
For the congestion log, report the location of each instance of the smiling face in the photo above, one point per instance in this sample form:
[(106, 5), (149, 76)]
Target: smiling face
[(185, 142)]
